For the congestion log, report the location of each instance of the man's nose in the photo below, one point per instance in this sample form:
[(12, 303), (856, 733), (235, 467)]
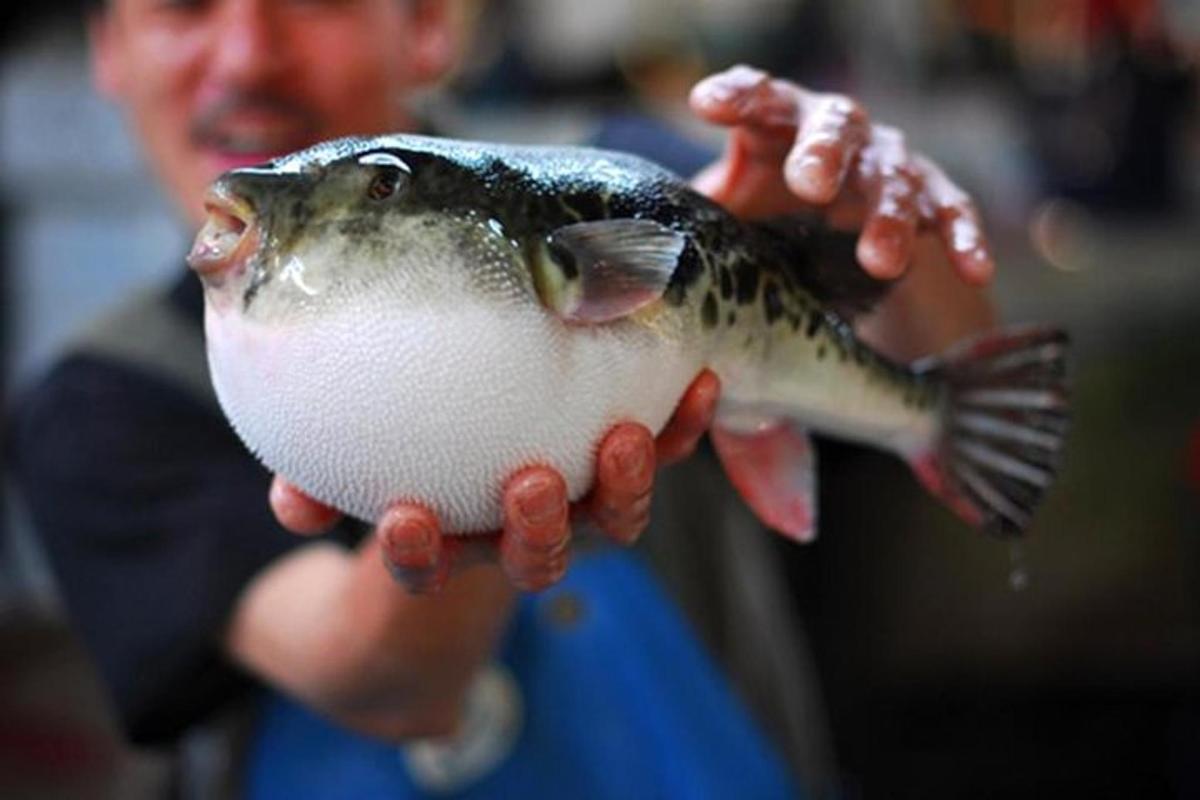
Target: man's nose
[(249, 43)]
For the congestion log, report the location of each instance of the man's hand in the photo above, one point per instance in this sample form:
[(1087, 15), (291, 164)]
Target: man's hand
[(533, 546), (793, 150)]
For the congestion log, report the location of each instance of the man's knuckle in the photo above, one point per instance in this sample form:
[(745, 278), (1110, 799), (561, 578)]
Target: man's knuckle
[(845, 108), (745, 74), (637, 525)]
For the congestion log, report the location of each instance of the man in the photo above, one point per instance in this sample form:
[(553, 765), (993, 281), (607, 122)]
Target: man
[(176, 576)]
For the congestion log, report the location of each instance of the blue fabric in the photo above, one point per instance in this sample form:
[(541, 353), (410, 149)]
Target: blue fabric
[(652, 139), (620, 702)]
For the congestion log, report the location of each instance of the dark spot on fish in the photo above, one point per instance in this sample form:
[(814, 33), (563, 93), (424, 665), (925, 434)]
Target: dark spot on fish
[(689, 268), (821, 352), (726, 284), (814, 323), (687, 271), (588, 206), (708, 311), (299, 213), (747, 283), (675, 294), (772, 304), (541, 207), (376, 247), (499, 175), (564, 257), (631, 205), (359, 226), (259, 278), (794, 319), (732, 318)]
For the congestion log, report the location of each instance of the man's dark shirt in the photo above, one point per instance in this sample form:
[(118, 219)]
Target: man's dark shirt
[(120, 468)]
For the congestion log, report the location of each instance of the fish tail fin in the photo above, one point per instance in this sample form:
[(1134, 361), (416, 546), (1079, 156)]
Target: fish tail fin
[(1002, 429)]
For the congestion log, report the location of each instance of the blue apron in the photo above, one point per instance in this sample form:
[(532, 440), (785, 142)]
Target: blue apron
[(620, 701)]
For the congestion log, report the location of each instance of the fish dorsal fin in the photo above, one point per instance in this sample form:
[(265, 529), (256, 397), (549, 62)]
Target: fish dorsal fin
[(772, 464), (600, 271)]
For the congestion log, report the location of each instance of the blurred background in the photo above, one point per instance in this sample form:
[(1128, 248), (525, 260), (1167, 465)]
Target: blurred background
[(951, 665)]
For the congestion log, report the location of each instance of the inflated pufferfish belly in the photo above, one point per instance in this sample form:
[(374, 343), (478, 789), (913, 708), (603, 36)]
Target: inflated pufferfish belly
[(438, 408)]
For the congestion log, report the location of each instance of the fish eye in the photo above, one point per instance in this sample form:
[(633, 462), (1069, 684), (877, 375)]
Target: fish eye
[(389, 172), (384, 184)]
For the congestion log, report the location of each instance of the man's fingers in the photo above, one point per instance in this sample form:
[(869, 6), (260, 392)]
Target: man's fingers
[(957, 222), (298, 512), (748, 97), (537, 531), (691, 419), (620, 502), (894, 185), (960, 230), (764, 114), (411, 541), (814, 142), (422, 558), (834, 130)]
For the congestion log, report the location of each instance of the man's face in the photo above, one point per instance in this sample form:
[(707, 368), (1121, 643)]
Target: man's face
[(214, 84)]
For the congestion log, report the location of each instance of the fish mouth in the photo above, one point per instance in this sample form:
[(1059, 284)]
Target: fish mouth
[(229, 236)]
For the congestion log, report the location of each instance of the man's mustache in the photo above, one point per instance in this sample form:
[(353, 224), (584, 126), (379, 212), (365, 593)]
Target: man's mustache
[(207, 125)]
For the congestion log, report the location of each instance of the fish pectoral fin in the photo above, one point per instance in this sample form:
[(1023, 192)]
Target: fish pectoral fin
[(772, 464), (607, 269)]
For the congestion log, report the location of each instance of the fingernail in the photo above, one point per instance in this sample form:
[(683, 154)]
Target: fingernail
[(714, 93), (810, 175), (631, 460), (890, 245), (710, 392), (883, 254), (409, 539), (981, 265), (540, 506)]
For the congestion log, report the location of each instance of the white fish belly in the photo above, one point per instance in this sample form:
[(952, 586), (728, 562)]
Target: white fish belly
[(362, 409)]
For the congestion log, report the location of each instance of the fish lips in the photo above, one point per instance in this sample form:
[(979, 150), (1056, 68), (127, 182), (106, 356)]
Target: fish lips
[(229, 238)]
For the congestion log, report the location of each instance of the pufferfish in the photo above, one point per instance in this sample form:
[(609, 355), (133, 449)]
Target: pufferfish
[(405, 318)]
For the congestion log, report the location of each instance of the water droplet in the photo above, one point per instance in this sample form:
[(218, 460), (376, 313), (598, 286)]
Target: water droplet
[(1018, 579), (1018, 569)]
